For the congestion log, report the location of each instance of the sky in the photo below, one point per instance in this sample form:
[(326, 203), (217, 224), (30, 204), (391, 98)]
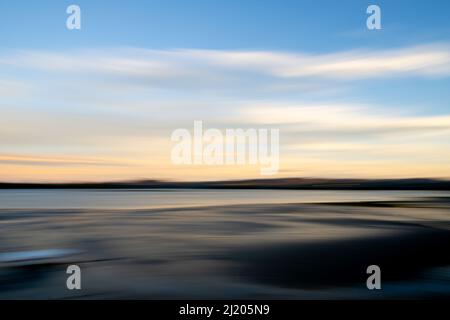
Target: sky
[(100, 103)]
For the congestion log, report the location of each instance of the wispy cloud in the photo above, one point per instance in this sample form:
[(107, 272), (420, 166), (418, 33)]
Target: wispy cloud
[(344, 116), (425, 60), (419, 60), (9, 88), (28, 160), (94, 114)]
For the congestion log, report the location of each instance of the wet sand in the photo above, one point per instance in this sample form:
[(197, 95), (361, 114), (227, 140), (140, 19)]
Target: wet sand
[(267, 251)]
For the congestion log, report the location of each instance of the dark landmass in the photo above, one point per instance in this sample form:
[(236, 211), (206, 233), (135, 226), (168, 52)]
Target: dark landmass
[(282, 184)]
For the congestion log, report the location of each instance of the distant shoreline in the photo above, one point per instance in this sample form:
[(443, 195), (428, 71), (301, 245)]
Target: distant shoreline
[(264, 184)]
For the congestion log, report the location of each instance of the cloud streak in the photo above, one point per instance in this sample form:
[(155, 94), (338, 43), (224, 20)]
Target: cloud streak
[(109, 113), (425, 60), (54, 161), (343, 116)]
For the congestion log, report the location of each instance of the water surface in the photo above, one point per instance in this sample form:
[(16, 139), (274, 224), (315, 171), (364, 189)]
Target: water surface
[(229, 244)]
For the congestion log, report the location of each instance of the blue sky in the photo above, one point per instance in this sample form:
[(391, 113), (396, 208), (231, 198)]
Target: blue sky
[(313, 26), (139, 69), (289, 25)]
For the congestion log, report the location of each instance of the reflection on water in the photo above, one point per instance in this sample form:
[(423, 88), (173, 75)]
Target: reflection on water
[(159, 198), (224, 244)]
